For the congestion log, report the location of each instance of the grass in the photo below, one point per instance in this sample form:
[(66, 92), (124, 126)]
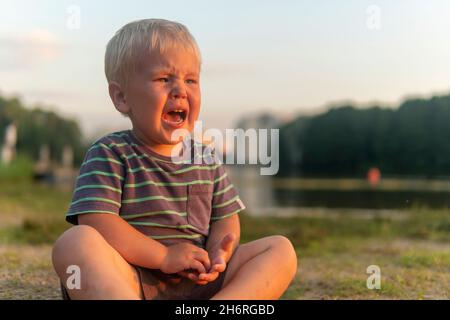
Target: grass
[(20, 169), (334, 251)]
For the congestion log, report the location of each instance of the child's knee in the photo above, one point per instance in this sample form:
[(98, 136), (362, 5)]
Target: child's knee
[(284, 247), (281, 243), (75, 241)]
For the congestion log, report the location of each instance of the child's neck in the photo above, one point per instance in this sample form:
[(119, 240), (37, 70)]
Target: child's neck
[(161, 149)]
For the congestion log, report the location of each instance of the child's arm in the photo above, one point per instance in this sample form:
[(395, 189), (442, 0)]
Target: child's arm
[(141, 250), (219, 229)]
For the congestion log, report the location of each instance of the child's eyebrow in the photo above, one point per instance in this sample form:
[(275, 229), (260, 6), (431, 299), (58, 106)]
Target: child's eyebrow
[(172, 72)]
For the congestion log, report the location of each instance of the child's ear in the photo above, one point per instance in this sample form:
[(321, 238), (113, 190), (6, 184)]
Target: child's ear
[(117, 95)]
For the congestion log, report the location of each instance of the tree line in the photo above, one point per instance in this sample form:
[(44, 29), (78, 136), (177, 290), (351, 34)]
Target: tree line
[(38, 126), (345, 141)]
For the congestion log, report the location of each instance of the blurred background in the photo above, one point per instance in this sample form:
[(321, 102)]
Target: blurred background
[(360, 93)]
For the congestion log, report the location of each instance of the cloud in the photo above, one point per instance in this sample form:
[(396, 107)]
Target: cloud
[(28, 49)]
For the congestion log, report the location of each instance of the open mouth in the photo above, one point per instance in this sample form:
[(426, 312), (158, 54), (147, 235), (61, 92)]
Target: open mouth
[(175, 117)]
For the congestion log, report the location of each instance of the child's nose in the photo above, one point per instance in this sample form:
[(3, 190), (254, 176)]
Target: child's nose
[(179, 92), (179, 95)]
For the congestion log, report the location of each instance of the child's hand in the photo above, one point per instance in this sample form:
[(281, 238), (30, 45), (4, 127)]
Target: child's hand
[(183, 256), (219, 255)]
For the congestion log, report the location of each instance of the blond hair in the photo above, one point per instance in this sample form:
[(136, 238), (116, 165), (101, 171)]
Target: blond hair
[(134, 38)]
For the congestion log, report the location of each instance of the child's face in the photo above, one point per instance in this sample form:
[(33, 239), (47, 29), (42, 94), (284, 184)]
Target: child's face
[(162, 84)]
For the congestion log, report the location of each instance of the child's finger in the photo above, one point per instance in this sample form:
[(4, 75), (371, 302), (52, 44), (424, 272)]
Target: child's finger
[(197, 265), (208, 276), (184, 274), (189, 275), (192, 277), (196, 279), (219, 260), (219, 267), (203, 257)]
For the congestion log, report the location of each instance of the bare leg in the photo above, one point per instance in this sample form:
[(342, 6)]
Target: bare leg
[(104, 273), (261, 269)]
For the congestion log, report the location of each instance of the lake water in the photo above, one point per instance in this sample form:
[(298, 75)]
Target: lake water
[(263, 192)]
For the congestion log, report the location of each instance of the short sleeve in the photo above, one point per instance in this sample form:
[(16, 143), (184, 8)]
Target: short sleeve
[(226, 201), (99, 184)]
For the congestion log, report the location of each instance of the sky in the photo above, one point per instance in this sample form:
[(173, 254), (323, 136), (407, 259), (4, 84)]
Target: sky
[(283, 57)]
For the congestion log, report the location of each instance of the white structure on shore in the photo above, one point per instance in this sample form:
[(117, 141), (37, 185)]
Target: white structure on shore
[(9, 144)]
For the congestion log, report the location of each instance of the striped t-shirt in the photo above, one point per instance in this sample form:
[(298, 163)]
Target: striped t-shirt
[(169, 201)]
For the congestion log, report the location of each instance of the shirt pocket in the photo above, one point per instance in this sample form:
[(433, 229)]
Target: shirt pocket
[(199, 207)]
